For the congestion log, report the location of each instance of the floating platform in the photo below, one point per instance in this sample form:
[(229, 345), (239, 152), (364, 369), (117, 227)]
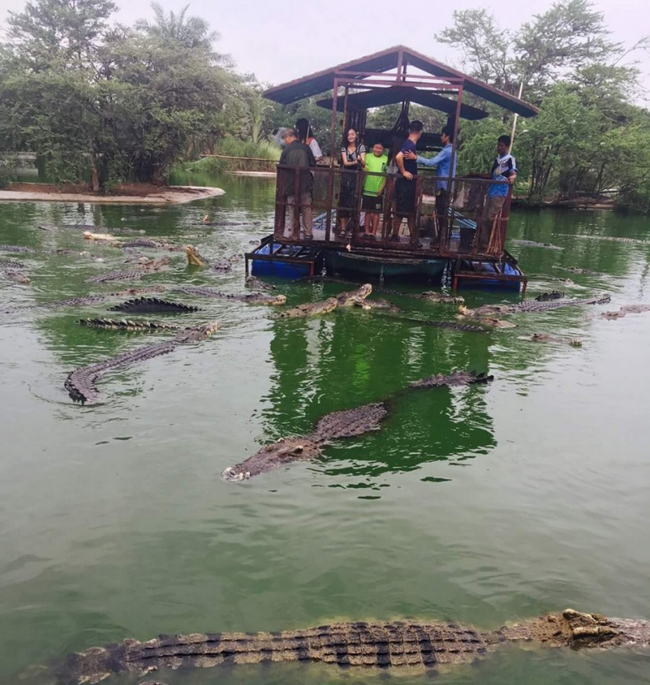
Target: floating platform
[(356, 264), (503, 275), (284, 260), (294, 261)]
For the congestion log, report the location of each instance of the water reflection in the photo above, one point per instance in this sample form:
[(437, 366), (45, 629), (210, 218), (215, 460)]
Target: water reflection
[(355, 357)]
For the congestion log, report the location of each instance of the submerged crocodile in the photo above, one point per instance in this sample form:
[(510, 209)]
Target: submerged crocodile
[(13, 271), (146, 266), (380, 645), (532, 243), (545, 337), (335, 426), (16, 248), (196, 259), (438, 298), (578, 270), (155, 244), (447, 325), (249, 298), (80, 384), (626, 309), (153, 305), (128, 325), (537, 305), (607, 238)]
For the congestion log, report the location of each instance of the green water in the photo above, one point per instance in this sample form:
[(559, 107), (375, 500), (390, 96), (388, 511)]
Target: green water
[(479, 505)]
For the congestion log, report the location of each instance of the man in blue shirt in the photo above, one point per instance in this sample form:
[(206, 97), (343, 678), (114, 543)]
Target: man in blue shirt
[(442, 162), (504, 170), (406, 184)]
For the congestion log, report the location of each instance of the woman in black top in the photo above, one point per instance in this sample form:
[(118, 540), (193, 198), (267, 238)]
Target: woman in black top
[(353, 159)]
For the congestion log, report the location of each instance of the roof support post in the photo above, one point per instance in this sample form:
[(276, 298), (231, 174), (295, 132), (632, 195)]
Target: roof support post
[(330, 180)]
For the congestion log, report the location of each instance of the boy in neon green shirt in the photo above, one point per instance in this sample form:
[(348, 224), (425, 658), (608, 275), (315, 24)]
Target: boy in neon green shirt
[(373, 188)]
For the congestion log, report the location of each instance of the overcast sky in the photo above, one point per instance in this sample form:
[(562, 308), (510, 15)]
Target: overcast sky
[(280, 41)]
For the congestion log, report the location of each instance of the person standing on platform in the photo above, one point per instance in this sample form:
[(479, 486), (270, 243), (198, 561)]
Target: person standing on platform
[(373, 188), (353, 159), (406, 185), (442, 163), (503, 169), (299, 156), (306, 135)]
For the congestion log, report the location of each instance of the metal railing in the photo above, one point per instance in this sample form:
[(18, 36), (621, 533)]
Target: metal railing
[(435, 217)]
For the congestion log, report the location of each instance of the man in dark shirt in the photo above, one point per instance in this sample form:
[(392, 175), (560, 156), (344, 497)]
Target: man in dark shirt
[(296, 185), (406, 185)]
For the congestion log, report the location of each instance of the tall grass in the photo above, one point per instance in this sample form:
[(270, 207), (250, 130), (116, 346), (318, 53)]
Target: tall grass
[(242, 150)]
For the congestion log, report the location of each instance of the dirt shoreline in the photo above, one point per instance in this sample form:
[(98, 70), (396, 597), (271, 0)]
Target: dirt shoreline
[(127, 194)]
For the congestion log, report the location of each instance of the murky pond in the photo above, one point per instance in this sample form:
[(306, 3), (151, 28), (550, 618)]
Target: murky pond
[(479, 505)]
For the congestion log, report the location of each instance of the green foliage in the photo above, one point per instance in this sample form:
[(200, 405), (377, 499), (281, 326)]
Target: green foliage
[(8, 170), (588, 138), (247, 153)]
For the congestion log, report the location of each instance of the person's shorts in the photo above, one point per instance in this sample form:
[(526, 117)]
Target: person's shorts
[(372, 203), (405, 192)]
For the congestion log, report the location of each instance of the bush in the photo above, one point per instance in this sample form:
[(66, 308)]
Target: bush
[(242, 150), (8, 171)]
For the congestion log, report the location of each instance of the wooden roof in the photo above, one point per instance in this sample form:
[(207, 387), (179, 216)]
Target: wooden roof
[(384, 61), (378, 97)]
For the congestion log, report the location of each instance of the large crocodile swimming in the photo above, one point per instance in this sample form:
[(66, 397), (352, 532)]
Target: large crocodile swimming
[(381, 645), (80, 384), (335, 426), (537, 305), (249, 298), (346, 299)]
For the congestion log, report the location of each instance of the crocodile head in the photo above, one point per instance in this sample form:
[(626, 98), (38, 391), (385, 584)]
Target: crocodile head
[(193, 257), (200, 332), (272, 457)]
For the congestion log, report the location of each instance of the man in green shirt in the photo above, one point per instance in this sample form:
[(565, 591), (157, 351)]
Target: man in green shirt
[(373, 188)]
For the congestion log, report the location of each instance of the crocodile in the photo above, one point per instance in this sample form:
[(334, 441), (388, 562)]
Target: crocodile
[(335, 426), (607, 238), (148, 243), (361, 644), (626, 309), (102, 237), (117, 276), (532, 243), (152, 305), (447, 325), (537, 305), (90, 299), (16, 276), (196, 259), (310, 309), (545, 337), (378, 303), (249, 298), (254, 282), (439, 298), (354, 297), (80, 384), (453, 379), (128, 325), (16, 248), (577, 270), (11, 264), (146, 266), (340, 424)]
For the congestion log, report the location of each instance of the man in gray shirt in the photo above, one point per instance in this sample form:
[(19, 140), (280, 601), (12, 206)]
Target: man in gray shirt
[(296, 187)]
